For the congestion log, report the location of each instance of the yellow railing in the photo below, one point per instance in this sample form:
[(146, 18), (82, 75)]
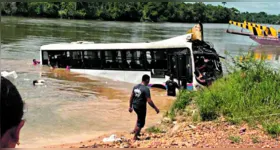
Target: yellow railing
[(256, 29)]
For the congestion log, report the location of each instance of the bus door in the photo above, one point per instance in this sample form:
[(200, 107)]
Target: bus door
[(180, 66), (184, 69), (45, 58), (172, 65), (158, 63)]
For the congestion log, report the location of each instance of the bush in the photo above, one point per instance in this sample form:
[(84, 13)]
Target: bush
[(234, 139), (183, 99), (272, 129), (250, 92)]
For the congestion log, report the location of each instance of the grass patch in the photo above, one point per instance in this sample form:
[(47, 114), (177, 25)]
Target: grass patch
[(272, 129), (255, 140), (234, 139), (183, 99), (153, 130), (196, 117)]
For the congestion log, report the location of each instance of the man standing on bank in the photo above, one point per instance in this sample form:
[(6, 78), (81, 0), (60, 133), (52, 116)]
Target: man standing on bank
[(138, 102), (171, 86)]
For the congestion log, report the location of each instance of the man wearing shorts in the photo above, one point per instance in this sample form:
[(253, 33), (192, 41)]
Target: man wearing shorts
[(138, 102)]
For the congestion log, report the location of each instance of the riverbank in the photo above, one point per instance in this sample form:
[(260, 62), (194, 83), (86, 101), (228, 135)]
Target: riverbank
[(238, 111), (187, 134)]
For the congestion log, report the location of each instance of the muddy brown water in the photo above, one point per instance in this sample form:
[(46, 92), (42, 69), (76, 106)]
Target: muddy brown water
[(73, 107)]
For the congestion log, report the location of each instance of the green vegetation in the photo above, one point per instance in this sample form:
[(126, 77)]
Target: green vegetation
[(255, 140), (272, 129), (184, 98), (136, 11), (234, 139), (249, 93), (153, 130)]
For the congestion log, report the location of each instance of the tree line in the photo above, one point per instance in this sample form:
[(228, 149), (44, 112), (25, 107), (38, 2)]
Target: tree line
[(136, 11)]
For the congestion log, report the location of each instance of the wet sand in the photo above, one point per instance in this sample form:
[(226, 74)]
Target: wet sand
[(73, 107)]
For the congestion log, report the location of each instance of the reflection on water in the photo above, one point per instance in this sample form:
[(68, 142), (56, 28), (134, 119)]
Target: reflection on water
[(270, 53), (72, 107)]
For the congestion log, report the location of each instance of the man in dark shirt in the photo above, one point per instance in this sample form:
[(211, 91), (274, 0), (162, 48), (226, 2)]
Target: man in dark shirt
[(138, 102), (171, 86)]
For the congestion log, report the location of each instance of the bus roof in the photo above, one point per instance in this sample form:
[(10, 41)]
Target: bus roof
[(176, 42)]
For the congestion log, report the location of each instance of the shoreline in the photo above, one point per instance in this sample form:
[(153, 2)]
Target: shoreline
[(98, 20), (187, 135)]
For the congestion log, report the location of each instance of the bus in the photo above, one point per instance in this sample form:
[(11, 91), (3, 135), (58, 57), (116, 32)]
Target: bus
[(128, 62)]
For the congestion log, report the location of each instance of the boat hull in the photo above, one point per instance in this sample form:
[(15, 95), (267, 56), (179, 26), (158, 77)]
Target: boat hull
[(266, 41), (238, 33)]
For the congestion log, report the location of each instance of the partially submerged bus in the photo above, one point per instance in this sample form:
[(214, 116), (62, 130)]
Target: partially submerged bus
[(129, 61)]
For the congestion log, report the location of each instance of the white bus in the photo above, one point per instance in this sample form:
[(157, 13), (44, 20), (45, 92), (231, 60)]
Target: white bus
[(129, 61)]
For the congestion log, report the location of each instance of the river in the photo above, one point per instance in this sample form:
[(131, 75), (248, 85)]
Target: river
[(72, 107)]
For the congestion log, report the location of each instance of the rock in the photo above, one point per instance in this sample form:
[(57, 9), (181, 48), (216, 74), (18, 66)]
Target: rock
[(163, 131), (174, 122), (166, 120), (175, 128), (181, 119), (186, 129), (242, 130), (174, 144), (124, 145), (192, 127)]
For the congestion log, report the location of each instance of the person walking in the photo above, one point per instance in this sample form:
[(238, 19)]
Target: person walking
[(138, 102)]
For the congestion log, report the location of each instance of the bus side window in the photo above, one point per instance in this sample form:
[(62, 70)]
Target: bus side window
[(103, 59), (133, 63), (128, 58), (67, 59), (135, 60), (76, 61), (45, 58), (124, 63), (63, 60), (160, 60), (92, 60), (143, 59), (87, 58), (115, 60), (108, 59), (148, 59), (119, 59), (151, 59), (97, 59)]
